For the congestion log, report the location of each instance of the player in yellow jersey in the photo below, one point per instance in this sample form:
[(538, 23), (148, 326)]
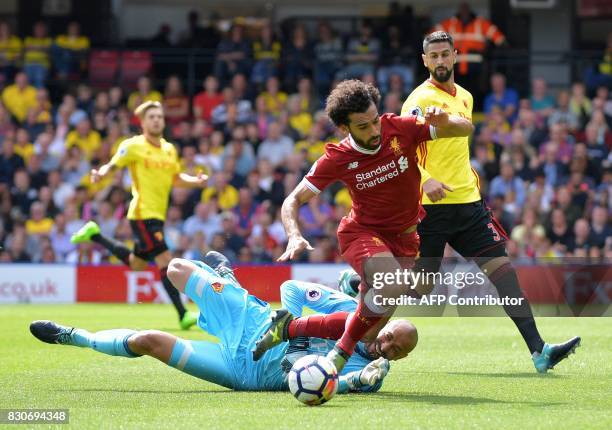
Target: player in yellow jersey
[(456, 213), (154, 168)]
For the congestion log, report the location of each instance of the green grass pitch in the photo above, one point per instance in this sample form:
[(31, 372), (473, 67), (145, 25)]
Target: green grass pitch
[(465, 373)]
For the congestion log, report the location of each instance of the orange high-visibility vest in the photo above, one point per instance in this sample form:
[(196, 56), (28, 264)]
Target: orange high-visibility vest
[(471, 39)]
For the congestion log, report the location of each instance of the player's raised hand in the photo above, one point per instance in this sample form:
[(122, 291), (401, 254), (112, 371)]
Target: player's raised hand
[(95, 176), (202, 180), (435, 190), (436, 116), (295, 246)]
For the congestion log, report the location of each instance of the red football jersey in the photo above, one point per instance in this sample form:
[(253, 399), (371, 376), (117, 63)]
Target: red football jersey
[(384, 183)]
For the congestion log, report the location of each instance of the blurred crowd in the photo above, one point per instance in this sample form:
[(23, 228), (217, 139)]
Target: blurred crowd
[(255, 127)]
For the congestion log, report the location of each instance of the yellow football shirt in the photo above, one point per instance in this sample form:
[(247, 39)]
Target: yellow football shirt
[(227, 198), (19, 102), (152, 169), (446, 160), (37, 50), (10, 49), (135, 99), (88, 144)]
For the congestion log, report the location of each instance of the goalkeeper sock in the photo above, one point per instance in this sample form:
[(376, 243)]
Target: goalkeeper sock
[(361, 322), (110, 342), (117, 248), (506, 282), (173, 293), (322, 326)]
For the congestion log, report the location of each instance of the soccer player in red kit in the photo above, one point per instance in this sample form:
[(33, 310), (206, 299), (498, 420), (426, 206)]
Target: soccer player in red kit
[(377, 162)]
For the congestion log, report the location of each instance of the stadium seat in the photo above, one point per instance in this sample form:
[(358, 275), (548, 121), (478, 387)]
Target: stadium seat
[(103, 67), (134, 64)]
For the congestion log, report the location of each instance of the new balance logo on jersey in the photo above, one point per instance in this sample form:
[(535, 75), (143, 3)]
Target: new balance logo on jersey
[(403, 163), (353, 165)]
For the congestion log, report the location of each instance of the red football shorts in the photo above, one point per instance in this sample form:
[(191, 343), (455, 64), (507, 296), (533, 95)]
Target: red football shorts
[(358, 243)]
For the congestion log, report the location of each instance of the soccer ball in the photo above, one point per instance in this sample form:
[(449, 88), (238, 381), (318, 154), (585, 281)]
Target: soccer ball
[(313, 380)]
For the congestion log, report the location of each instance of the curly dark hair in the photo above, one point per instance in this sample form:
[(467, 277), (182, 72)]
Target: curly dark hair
[(351, 96)]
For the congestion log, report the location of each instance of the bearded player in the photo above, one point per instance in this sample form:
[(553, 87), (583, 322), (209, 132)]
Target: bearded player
[(456, 212), (377, 163), (154, 168)]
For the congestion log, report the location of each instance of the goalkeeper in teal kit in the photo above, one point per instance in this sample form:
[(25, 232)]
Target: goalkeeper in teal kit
[(238, 319)]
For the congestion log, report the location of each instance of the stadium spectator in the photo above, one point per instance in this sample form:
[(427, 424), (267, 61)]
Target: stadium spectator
[(85, 253), (42, 147), (561, 141), (313, 217), (19, 97), (308, 99), (38, 224), (509, 185), (219, 189), (69, 52), (10, 51), (362, 54), (541, 102), (562, 113), (39, 116), (231, 111), (176, 103), (396, 60), (22, 193), (219, 244), (580, 105), (471, 34), (60, 239), (273, 97), (173, 227), (106, 219), (266, 55), (528, 233), (203, 220), (68, 114), (233, 240), (233, 54), (206, 101), (198, 36), (299, 120), (600, 226), (36, 58), (144, 92), (506, 98), (23, 147), (328, 57), (297, 57), (241, 87), (277, 146), (45, 197), (245, 211), (38, 177), (83, 137), (241, 151)]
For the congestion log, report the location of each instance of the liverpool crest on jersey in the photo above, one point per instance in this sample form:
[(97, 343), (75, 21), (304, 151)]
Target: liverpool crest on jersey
[(395, 146)]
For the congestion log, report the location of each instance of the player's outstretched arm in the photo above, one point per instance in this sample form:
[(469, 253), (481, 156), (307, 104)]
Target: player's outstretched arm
[(296, 243), (96, 175), (448, 125), (186, 180)]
